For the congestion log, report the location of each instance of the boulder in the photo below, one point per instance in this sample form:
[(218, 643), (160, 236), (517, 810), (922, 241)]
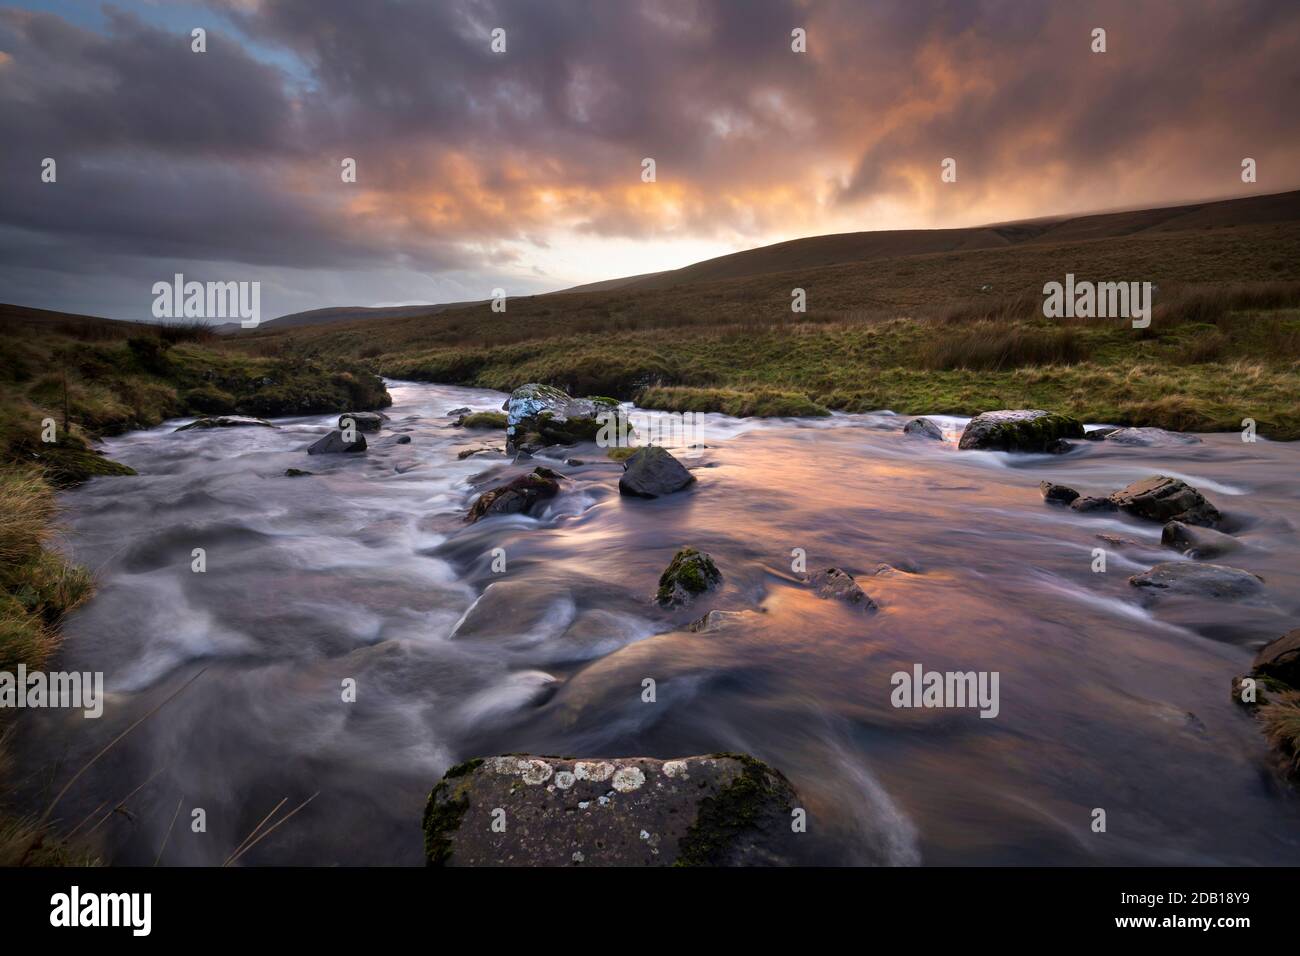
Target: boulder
[(1022, 430), (923, 428), (1057, 494), (840, 585), (1161, 498), (651, 472), (1085, 503), (1197, 542), (689, 574), (553, 416), (227, 421), (1199, 580), (717, 810), (334, 443), (365, 421), (297, 473), (521, 495), (1150, 437), (457, 412), (1280, 659)]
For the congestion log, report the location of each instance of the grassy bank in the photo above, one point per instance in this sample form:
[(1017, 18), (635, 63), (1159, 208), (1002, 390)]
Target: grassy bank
[(956, 333), (77, 379)]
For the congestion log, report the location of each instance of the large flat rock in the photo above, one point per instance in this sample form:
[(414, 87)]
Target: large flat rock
[(525, 810)]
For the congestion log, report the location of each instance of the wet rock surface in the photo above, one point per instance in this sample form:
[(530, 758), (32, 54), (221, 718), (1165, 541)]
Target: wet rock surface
[(1022, 430), (1057, 494), (923, 428), (1280, 659), (1161, 498), (335, 444), (651, 472), (837, 584), (1148, 437), (1199, 580), (540, 415), (521, 495), (524, 810), (1197, 542), (364, 421), (688, 575), (226, 421), (1085, 503)]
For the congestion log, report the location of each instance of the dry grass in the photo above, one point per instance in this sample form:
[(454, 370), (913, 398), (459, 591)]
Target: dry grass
[(1281, 717)]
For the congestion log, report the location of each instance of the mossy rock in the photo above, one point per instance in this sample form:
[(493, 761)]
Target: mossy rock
[(688, 575), (1021, 430), (482, 420)]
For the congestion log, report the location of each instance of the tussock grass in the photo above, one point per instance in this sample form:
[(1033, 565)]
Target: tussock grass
[(1281, 717), (999, 346)]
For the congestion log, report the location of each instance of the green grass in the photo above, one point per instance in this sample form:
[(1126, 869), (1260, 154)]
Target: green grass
[(913, 333)]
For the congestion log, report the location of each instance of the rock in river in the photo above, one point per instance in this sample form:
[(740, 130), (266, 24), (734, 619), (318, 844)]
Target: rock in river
[(1161, 498), (718, 810), (365, 421), (1150, 437), (334, 443), (1027, 430), (227, 421), (1057, 494), (840, 585), (540, 415), (651, 472), (1197, 542), (923, 428), (690, 573), (1199, 580), (1280, 659), (521, 495)]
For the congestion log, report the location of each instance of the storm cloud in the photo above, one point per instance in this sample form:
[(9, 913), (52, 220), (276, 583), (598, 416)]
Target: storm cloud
[(522, 169)]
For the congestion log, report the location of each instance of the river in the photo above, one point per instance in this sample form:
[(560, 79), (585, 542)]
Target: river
[(366, 572)]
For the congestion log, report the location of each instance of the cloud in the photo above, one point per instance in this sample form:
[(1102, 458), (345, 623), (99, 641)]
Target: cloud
[(473, 166)]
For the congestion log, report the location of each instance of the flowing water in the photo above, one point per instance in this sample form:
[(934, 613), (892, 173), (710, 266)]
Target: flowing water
[(367, 572)]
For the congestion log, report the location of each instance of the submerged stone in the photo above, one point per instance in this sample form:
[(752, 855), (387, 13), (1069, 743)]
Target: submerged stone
[(1199, 580), (226, 421), (923, 428), (521, 495), (834, 583), (1057, 494)]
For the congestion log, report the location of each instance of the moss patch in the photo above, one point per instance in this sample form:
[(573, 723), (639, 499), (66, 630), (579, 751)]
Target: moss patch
[(739, 807), (444, 811)]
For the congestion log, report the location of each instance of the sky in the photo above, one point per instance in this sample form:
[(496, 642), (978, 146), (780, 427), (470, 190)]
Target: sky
[(523, 169)]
